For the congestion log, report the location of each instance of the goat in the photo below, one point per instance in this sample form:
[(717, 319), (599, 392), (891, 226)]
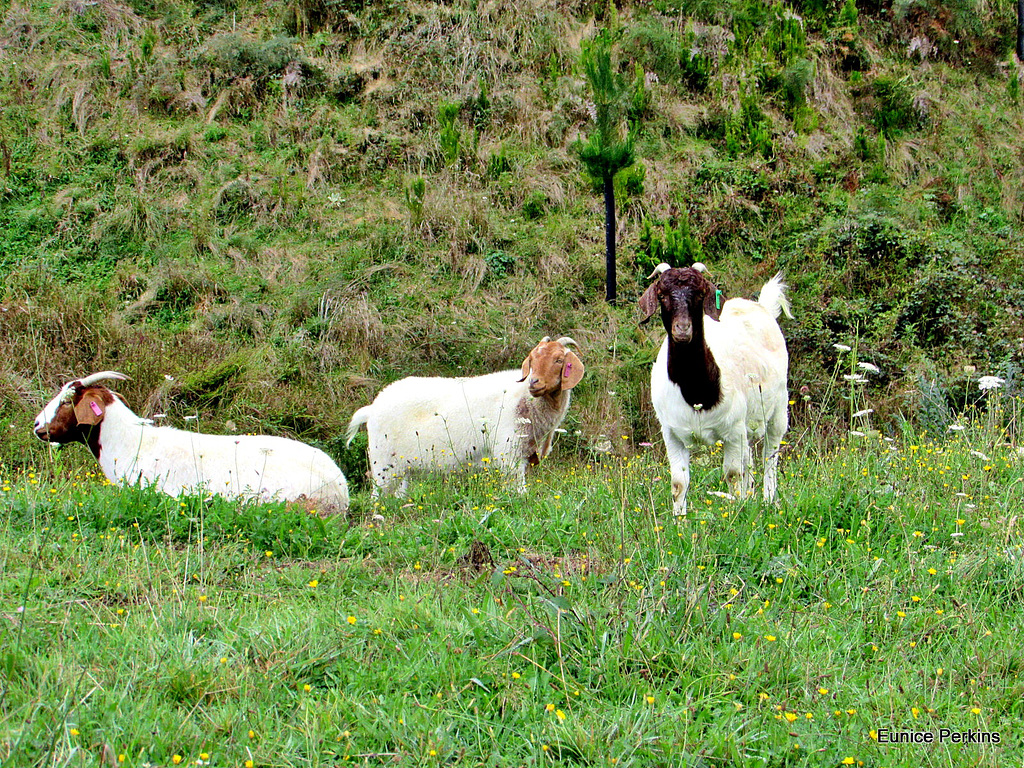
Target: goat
[(423, 424), (722, 379), (131, 450)]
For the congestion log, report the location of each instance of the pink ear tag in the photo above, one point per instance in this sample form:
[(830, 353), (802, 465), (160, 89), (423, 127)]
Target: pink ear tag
[(568, 367), (95, 408)]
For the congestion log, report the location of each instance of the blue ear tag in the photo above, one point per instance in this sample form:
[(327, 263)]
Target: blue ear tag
[(718, 298)]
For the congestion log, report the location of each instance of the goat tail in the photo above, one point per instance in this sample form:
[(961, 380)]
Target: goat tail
[(773, 297), (359, 418)]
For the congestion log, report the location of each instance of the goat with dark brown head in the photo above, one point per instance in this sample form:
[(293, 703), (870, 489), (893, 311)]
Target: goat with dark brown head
[(718, 379)]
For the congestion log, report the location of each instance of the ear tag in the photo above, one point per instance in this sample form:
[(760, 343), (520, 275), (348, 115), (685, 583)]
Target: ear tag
[(95, 408), (568, 367), (718, 298)]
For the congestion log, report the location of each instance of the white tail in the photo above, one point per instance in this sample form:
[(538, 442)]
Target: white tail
[(773, 297), (359, 418)]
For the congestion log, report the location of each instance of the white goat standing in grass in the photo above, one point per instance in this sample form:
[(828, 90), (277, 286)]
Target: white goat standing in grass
[(131, 450), (722, 379), (440, 424)]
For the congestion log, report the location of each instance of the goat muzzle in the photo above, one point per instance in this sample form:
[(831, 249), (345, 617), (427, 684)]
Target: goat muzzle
[(681, 329)]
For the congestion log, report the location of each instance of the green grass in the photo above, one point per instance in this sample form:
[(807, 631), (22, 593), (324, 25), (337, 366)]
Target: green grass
[(262, 260), (883, 593)]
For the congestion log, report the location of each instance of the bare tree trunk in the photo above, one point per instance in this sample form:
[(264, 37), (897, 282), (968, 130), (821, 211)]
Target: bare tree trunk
[(609, 238)]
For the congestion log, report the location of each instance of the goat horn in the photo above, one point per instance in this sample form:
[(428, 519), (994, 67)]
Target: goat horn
[(658, 270), (101, 376), (544, 340), (700, 266), (567, 340)]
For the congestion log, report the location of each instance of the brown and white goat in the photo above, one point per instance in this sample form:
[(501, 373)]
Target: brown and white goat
[(441, 424), (131, 450), (719, 379)]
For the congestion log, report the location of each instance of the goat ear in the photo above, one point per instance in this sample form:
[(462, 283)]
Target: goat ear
[(713, 302), (649, 302), (526, 366), (89, 409), (572, 371)]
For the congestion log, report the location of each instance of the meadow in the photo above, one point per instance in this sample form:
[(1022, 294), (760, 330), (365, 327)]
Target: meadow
[(264, 212), (577, 624)]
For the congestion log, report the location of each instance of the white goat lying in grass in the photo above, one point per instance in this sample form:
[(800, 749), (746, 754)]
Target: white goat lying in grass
[(719, 380), (130, 450), (424, 424)]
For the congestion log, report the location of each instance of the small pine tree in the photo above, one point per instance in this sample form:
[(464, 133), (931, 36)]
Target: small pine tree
[(848, 15), (610, 147)]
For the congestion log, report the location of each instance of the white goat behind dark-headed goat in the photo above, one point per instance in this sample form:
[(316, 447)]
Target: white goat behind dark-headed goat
[(131, 451), (723, 379), (420, 424)]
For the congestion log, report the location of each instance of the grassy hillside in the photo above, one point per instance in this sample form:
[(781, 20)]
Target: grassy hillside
[(284, 206)]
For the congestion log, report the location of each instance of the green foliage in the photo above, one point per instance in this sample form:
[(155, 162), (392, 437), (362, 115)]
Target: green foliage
[(630, 183), (749, 131), (894, 111), (785, 38), (606, 151), (673, 57), (770, 27), (237, 56), (147, 44), (415, 193), (671, 242), (797, 76), (695, 69), (965, 32), (641, 100), (449, 134), (499, 263), (304, 17), (848, 16), (157, 170), (478, 108), (535, 205), (498, 163), (212, 386)]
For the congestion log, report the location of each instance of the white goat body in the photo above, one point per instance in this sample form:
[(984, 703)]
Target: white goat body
[(440, 424), (130, 450), (749, 351)]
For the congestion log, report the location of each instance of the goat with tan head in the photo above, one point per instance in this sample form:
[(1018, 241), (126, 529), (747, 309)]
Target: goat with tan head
[(131, 450), (440, 424)]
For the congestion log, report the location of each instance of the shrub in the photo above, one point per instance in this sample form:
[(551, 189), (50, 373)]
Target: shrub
[(671, 242), (535, 205), (449, 135), (894, 108), (749, 131), (235, 57)]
